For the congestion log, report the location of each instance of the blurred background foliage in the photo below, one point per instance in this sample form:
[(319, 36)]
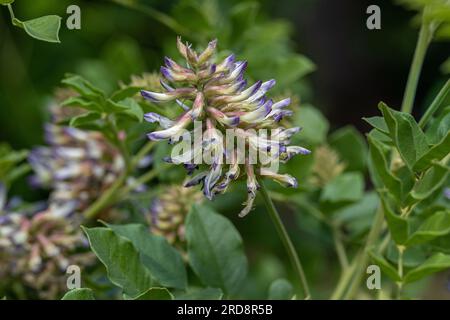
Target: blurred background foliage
[(319, 51)]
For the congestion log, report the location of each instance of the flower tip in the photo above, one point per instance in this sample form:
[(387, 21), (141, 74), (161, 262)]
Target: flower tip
[(166, 73), (148, 95), (235, 121), (168, 62)]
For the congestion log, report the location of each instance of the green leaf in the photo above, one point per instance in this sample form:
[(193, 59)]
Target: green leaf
[(357, 217), (437, 225), (215, 250), (345, 187), (84, 87), (439, 127), (155, 294), (435, 263), (5, 2), (85, 118), (281, 289), (351, 146), (158, 256), (385, 266), (436, 153), (378, 123), (409, 139), (79, 102), (294, 68), (79, 294), (44, 28), (398, 226), (130, 108), (127, 92), (380, 171), (432, 180), (201, 294), (121, 260), (315, 125)]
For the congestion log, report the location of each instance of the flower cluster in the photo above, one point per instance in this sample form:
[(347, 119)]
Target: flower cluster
[(217, 95), (37, 249), (168, 213), (77, 166)]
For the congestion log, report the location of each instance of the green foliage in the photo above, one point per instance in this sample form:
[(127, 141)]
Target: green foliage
[(351, 147), (79, 294), (45, 28), (215, 250), (121, 259), (11, 164), (155, 294), (201, 294), (346, 187), (281, 289), (164, 262), (314, 125)]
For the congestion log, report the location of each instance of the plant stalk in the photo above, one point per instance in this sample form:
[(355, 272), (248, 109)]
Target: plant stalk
[(435, 104), (423, 42), (292, 253)]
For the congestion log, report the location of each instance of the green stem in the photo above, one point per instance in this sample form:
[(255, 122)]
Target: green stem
[(423, 42), (437, 102), (400, 249), (344, 279), (14, 20), (105, 200), (148, 146), (340, 249), (363, 256), (295, 260)]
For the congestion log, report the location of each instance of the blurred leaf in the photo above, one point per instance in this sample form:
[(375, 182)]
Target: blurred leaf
[(281, 289), (10, 167), (432, 180), (345, 187), (83, 87), (44, 28), (294, 68), (315, 125), (131, 108), (435, 226), (79, 102), (121, 260), (439, 127), (385, 266), (358, 217), (5, 2), (215, 249), (380, 171), (398, 226), (79, 294), (157, 255), (378, 123), (435, 263), (128, 52), (85, 118), (201, 294), (351, 146), (436, 153), (409, 139), (155, 294), (127, 92)]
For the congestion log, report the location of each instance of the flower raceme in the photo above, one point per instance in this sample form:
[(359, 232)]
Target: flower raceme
[(215, 99)]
